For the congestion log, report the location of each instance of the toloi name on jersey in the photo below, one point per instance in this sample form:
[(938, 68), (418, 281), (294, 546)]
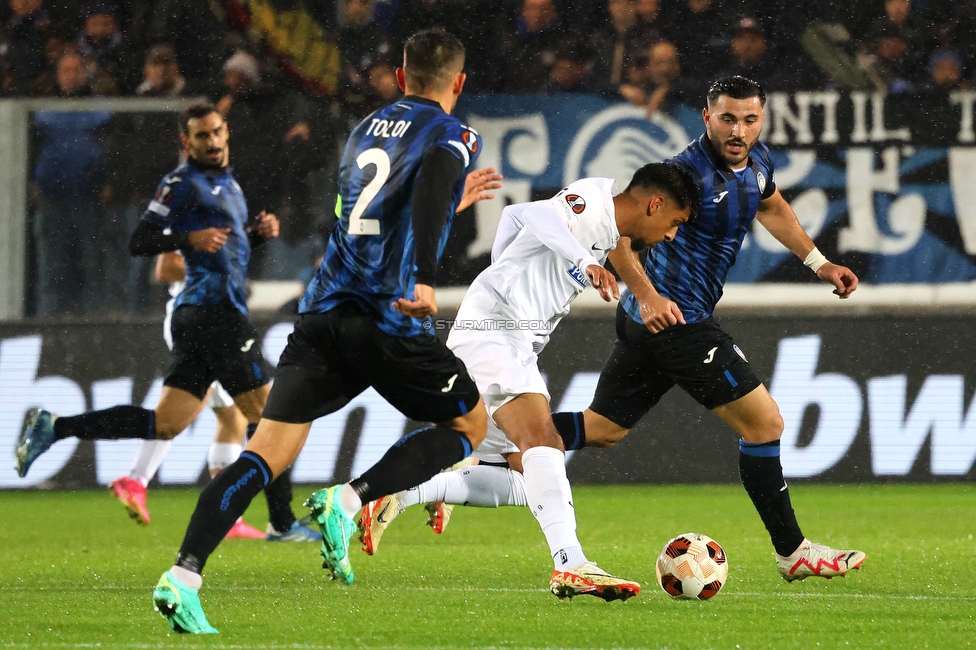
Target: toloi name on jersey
[(388, 128)]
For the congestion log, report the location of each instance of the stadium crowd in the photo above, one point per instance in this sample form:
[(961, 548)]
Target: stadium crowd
[(101, 168)]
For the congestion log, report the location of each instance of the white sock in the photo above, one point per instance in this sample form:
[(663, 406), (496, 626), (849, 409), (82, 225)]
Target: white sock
[(349, 501), (222, 454), (551, 500), (187, 577), (148, 459), (483, 486)]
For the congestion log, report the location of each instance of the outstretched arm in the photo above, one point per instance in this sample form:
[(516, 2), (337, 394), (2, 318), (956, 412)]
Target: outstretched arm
[(477, 187), (776, 216), (657, 312), (548, 225)]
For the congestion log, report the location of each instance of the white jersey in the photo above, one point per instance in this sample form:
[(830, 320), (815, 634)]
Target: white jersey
[(539, 261)]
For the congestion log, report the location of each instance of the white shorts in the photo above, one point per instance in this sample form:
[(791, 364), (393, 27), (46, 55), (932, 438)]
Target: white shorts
[(503, 368), (219, 397)]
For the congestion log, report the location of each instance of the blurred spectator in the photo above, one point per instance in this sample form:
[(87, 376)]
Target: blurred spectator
[(890, 59), (102, 42), (270, 140), (359, 38), (946, 72), (161, 75), (661, 83), (750, 57), (616, 43), (198, 32), (381, 77), (69, 175), (700, 32), (137, 157), (571, 70), (531, 50), (650, 26), (22, 40)]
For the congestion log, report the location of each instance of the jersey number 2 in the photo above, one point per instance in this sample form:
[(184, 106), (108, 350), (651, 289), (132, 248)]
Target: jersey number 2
[(358, 225)]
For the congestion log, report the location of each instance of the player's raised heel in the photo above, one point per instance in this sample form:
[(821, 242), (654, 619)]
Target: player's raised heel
[(36, 437), (817, 560), (438, 515), (337, 529), (590, 580), (180, 606), (132, 494), (374, 519)]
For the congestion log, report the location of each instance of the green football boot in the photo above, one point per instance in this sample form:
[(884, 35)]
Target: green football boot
[(180, 606), (337, 529), (36, 437)]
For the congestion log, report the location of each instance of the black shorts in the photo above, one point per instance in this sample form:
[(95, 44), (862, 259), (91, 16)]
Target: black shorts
[(215, 343), (333, 357), (701, 358)]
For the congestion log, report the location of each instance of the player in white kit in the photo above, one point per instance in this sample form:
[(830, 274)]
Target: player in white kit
[(544, 254)]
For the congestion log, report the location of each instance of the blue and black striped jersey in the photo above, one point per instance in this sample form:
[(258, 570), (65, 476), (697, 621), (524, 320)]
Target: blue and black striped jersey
[(370, 256), (191, 198), (691, 270)]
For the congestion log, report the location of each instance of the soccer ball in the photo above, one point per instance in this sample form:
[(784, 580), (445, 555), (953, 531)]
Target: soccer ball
[(692, 566)]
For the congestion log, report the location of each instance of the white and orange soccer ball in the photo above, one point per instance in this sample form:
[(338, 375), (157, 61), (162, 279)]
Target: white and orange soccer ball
[(692, 566)]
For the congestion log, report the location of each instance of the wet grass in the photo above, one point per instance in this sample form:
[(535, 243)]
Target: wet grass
[(75, 573)]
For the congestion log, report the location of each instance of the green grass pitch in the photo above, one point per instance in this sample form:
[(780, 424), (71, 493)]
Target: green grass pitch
[(76, 573)]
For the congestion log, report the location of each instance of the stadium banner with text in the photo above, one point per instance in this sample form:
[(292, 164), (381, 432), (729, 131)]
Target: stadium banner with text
[(869, 398), (884, 184)]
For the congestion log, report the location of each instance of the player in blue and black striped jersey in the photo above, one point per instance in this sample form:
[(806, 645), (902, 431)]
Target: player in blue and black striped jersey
[(198, 209), (666, 334), (361, 325)]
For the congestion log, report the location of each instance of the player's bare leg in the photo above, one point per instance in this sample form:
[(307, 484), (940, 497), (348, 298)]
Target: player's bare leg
[(527, 422), (756, 418), (176, 410)]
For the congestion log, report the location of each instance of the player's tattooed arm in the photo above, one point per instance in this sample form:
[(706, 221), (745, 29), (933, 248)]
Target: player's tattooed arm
[(478, 186), (776, 216), (657, 312)]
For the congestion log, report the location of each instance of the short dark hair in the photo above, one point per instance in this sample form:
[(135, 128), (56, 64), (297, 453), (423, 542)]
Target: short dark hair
[(673, 180), (431, 57), (736, 87), (194, 112)]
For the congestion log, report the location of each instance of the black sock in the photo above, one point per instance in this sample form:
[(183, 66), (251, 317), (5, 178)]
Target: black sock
[(221, 503), (116, 423), (762, 476), (571, 429), (412, 460), (279, 495)]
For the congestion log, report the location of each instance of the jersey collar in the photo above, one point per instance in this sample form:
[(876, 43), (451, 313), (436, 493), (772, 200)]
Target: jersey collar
[(227, 170), (417, 99)]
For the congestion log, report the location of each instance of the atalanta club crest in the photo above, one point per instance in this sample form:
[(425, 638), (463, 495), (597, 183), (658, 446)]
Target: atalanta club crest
[(761, 180), (576, 202)]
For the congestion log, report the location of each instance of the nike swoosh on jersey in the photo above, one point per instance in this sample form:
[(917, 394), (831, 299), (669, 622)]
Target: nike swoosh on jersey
[(718, 199), (711, 355), (594, 247)]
